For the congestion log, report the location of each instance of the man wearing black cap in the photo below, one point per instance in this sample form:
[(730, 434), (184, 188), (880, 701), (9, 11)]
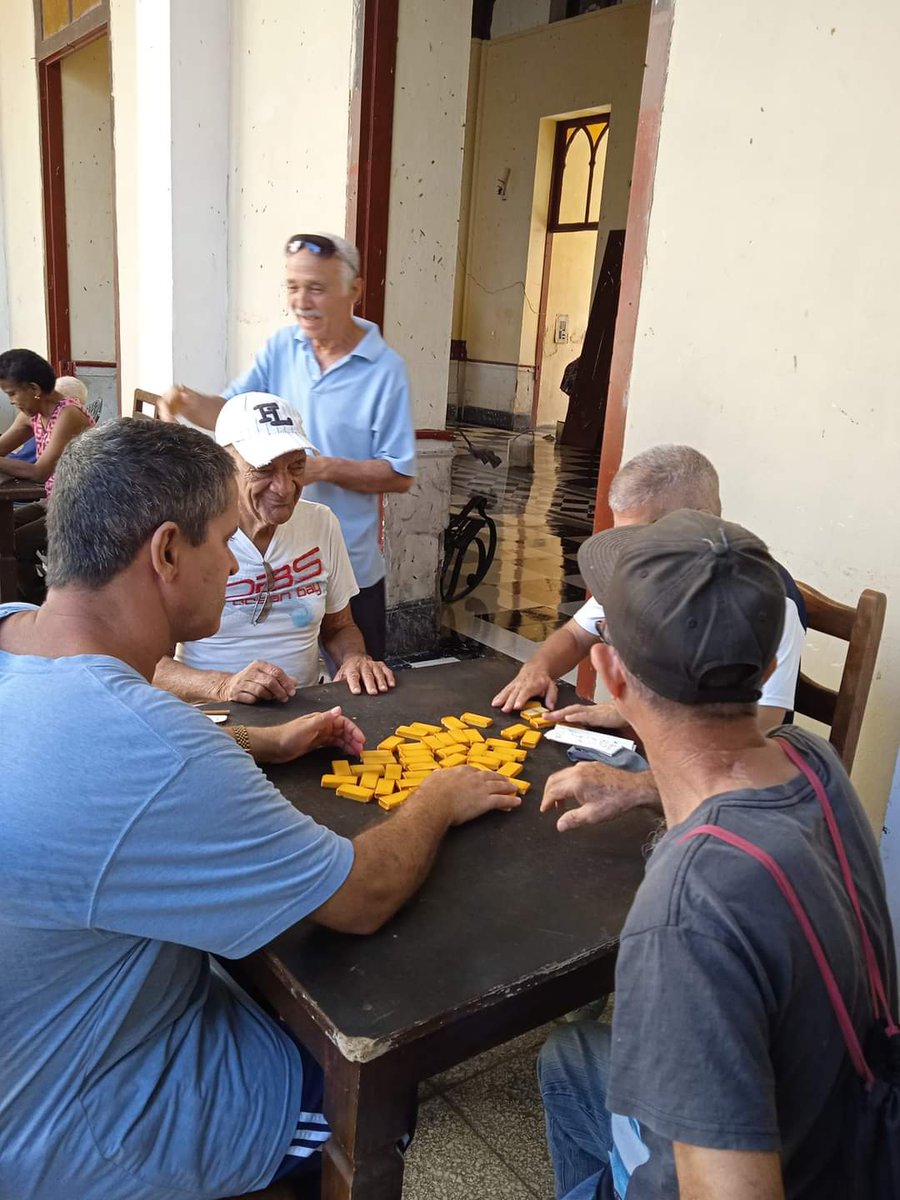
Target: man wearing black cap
[(726, 1075)]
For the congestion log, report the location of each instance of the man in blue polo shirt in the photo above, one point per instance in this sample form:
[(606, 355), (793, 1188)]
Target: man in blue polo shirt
[(352, 394)]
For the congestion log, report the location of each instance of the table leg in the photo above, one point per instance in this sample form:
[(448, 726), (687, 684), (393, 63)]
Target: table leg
[(370, 1107), (9, 580)]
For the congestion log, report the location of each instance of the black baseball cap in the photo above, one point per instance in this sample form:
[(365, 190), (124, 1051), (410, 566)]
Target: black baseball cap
[(694, 605)]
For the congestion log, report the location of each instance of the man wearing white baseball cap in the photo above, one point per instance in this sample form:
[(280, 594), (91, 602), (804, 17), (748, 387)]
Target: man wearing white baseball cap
[(293, 583)]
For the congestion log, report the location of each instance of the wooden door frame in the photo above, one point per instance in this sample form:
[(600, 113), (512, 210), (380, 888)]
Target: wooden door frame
[(640, 201), (50, 53), (371, 137)]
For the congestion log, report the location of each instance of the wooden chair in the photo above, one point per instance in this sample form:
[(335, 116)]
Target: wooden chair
[(860, 627), (145, 404)]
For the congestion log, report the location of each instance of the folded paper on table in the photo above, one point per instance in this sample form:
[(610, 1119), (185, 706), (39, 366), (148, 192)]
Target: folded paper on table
[(589, 739)]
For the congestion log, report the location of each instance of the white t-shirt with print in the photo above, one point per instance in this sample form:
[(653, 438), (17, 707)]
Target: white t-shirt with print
[(778, 690), (311, 576)]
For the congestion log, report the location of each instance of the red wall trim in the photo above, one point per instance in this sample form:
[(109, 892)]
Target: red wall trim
[(371, 138), (54, 187), (639, 205)]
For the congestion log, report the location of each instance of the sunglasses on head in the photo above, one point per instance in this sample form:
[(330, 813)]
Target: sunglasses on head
[(323, 246)]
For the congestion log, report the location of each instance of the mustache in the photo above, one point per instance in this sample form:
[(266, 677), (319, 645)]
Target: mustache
[(309, 312)]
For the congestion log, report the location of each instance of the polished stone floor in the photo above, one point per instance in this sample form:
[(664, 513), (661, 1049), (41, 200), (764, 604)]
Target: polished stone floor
[(543, 514)]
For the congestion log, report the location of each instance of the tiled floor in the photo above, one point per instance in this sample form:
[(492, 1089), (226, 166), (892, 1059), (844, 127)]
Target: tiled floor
[(481, 1130), (543, 514)]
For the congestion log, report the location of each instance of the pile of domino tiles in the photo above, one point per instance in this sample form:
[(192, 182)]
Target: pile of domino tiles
[(392, 772)]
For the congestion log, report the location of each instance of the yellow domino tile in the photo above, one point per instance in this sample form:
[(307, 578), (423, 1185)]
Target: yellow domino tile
[(533, 710), (433, 741), (377, 756), (514, 732), (393, 771), (390, 743), (456, 760), (511, 770), (369, 780), (422, 728), (530, 739), (349, 792), (450, 752), (477, 720), (384, 787), (540, 723), (389, 802), (522, 786), (452, 723), (360, 769), (334, 781), (340, 766), (405, 731)]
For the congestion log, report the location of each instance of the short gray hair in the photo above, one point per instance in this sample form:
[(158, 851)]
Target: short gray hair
[(663, 479), (348, 255), (116, 484)]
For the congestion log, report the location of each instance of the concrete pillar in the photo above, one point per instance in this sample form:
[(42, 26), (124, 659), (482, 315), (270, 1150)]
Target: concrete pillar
[(432, 78), (181, 127)]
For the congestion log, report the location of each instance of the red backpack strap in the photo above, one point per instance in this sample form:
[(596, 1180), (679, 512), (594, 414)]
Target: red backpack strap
[(876, 983), (854, 1048)]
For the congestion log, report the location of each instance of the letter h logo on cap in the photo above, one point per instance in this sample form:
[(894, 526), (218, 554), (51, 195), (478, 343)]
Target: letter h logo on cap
[(270, 414)]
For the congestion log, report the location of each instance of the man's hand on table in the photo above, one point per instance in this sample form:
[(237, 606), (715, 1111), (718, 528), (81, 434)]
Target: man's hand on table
[(359, 671), (532, 683), (600, 791), (469, 793), (599, 716), (283, 743), (259, 681)]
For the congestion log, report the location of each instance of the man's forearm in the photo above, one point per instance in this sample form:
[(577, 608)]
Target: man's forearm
[(559, 654), (187, 682), (367, 475), (344, 643), (391, 861)]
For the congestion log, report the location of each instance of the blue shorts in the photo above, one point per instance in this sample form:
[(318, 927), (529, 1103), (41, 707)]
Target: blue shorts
[(304, 1155)]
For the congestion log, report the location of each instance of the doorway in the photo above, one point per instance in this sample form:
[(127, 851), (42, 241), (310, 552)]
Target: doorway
[(79, 218), (573, 219)]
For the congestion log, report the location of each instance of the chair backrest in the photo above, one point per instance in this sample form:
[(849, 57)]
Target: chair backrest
[(860, 627), (145, 404)]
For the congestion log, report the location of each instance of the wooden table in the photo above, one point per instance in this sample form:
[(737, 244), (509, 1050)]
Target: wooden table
[(15, 491), (516, 924)]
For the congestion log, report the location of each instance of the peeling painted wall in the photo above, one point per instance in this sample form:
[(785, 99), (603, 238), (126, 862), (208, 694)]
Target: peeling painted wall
[(426, 171), (290, 97), (769, 307)]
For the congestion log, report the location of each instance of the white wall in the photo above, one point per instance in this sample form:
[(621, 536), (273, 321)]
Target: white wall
[(88, 167), (20, 179), (769, 307), (124, 58), (291, 79), (426, 170)]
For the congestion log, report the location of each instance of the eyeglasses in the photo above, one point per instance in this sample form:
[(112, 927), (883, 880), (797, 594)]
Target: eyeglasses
[(321, 246), (263, 605), (602, 631)]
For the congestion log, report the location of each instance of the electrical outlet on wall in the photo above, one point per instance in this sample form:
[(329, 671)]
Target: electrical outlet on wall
[(561, 330)]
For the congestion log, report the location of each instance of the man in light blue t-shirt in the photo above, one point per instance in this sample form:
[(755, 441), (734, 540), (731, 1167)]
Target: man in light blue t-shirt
[(352, 394), (136, 839)]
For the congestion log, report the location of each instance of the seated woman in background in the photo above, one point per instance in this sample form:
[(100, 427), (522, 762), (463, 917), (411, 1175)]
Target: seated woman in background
[(52, 419)]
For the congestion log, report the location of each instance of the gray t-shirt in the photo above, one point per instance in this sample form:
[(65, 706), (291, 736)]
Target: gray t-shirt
[(723, 1034)]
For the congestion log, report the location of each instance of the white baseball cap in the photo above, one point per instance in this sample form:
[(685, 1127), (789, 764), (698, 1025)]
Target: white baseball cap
[(261, 427)]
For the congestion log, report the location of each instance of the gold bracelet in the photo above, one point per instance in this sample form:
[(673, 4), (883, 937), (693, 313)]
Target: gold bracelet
[(241, 735)]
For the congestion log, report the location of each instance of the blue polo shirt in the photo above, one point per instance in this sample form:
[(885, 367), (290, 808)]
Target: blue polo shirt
[(358, 408), (135, 839)]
